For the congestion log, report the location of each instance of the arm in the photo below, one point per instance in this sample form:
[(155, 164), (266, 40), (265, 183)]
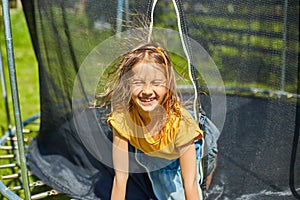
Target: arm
[(189, 171), (210, 176), (120, 160)]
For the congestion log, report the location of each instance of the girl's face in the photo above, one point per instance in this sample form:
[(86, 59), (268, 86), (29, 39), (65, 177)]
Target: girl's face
[(148, 86)]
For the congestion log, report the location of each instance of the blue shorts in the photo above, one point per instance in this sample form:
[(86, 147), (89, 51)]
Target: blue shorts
[(166, 181)]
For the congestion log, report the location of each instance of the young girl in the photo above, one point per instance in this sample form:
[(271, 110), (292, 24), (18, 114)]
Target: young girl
[(146, 112)]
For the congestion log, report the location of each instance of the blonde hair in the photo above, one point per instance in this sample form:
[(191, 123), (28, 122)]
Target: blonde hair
[(118, 89)]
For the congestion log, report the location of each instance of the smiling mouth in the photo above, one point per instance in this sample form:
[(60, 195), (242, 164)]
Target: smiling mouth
[(147, 101)]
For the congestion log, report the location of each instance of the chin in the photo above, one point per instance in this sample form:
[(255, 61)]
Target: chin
[(148, 108)]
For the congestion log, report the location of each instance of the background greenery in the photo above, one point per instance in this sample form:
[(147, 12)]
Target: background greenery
[(26, 69), (241, 48), (27, 80)]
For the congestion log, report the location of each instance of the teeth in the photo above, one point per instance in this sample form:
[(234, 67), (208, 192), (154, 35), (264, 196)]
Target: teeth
[(147, 100)]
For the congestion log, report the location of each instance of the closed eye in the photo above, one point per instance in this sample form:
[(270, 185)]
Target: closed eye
[(158, 82), (137, 82)]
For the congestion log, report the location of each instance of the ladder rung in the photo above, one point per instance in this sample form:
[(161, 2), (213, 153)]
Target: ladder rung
[(25, 139), (13, 176), (44, 195), (8, 165), (7, 156), (34, 184), (10, 147)]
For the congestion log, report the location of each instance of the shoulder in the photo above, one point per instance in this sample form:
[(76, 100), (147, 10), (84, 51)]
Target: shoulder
[(116, 117), (117, 121), (187, 115), (188, 129)]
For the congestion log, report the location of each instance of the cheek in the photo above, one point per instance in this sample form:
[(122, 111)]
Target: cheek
[(162, 92), (134, 92)]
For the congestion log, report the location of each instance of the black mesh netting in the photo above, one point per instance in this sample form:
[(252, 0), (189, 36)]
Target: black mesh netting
[(254, 45)]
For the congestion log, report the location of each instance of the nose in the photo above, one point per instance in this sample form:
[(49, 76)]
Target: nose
[(147, 89)]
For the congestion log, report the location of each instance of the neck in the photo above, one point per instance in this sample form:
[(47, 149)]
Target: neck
[(149, 117), (154, 120), (146, 118)]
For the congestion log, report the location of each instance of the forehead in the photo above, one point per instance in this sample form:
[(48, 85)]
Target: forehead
[(148, 69)]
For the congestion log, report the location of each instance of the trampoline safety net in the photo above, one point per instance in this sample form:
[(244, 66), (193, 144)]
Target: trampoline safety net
[(255, 48)]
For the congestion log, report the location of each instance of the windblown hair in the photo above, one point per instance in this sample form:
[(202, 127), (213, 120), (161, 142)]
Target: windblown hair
[(118, 90)]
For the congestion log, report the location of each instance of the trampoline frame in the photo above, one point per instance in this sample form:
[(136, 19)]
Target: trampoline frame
[(17, 130)]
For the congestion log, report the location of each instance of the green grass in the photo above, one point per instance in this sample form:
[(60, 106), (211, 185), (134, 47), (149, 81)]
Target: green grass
[(27, 79), (26, 70)]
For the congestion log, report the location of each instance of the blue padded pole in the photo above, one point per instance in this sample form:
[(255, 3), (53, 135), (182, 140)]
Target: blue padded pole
[(127, 18), (7, 193), (119, 15), (15, 97)]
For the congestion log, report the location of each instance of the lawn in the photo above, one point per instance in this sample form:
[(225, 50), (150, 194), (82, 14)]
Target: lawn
[(27, 80), (228, 58), (26, 70)]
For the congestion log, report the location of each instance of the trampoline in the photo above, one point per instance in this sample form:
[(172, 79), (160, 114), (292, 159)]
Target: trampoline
[(248, 80)]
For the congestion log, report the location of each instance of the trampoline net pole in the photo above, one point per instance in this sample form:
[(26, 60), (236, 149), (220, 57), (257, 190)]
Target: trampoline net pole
[(283, 64)]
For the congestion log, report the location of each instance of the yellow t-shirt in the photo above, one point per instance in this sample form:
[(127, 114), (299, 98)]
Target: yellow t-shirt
[(179, 131)]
